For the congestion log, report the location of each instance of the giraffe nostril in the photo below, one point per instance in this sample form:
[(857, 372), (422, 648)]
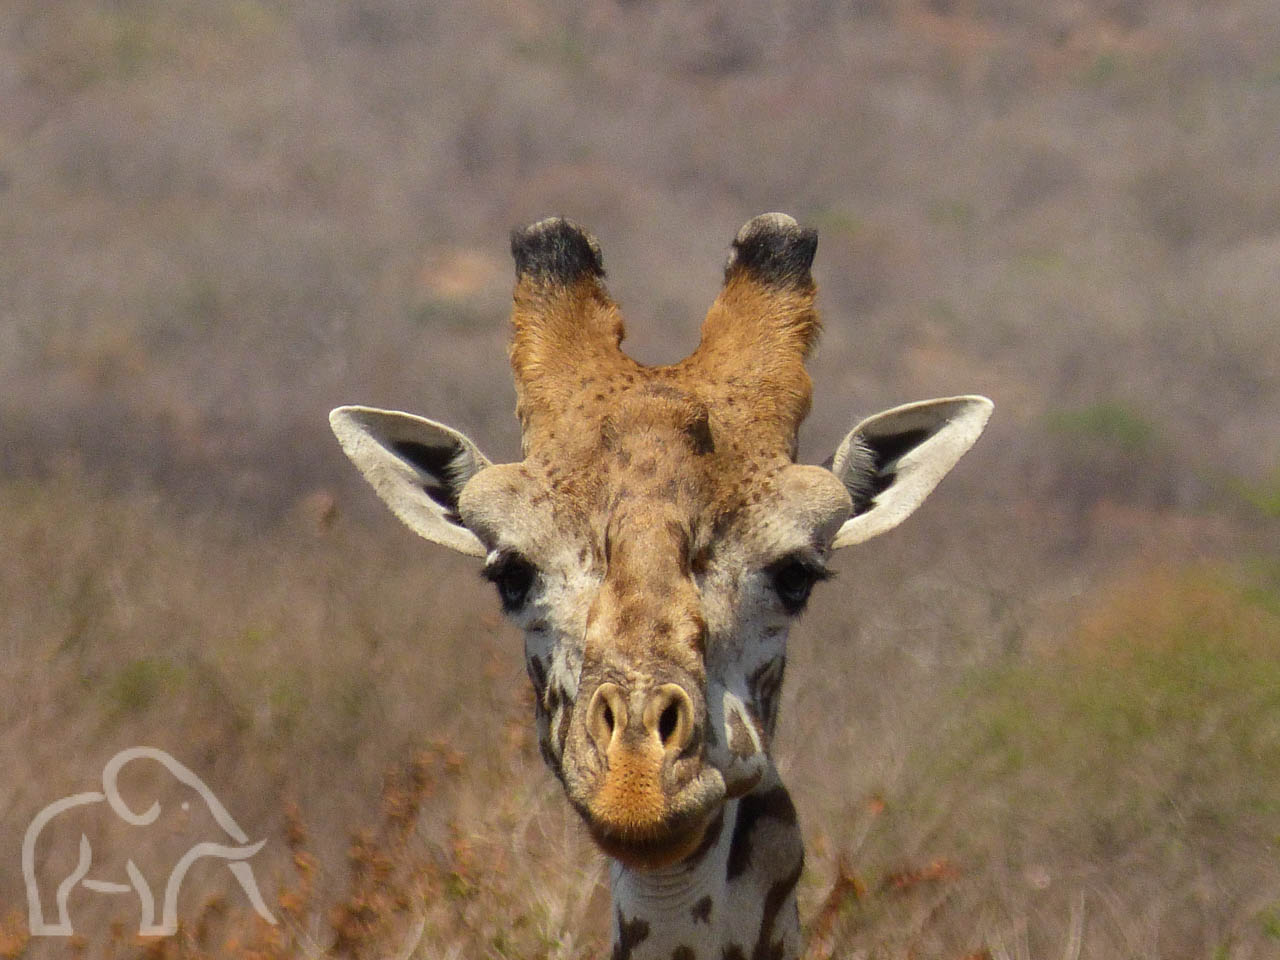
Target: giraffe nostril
[(663, 718), (668, 721), (606, 715), (669, 716)]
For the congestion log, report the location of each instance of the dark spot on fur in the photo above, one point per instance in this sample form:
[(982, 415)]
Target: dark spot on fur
[(733, 952), (655, 388), (556, 250), (562, 729), (709, 839), (538, 675), (699, 561), (764, 686), (701, 911), (608, 434), (683, 953), (774, 804), (698, 432), (722, 524), (740, 744), (766, 947), (630, 935)]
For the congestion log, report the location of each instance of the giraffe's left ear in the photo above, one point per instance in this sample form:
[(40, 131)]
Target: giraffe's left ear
[(890, 462), (417, 466)]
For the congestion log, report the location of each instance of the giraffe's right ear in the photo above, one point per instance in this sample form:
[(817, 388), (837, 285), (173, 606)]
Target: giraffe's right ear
[(418, 467), (890, 462)]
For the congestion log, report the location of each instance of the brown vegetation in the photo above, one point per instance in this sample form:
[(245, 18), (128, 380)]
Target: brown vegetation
[(1038, 721)]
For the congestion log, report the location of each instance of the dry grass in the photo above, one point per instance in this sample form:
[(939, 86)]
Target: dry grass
[(1108, 789), (1087, 799), (219, 220), (289, 705)]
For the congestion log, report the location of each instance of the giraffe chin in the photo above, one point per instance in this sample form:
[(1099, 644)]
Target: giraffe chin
[(652, 852), (662, 832)]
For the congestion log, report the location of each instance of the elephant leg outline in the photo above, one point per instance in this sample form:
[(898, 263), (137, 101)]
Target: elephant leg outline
[(35, 910), (244, 875)]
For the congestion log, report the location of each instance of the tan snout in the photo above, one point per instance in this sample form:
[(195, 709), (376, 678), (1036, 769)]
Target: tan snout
[(637, 773)]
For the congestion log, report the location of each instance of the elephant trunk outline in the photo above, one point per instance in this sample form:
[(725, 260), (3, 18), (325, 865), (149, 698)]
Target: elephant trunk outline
[(235, 856)]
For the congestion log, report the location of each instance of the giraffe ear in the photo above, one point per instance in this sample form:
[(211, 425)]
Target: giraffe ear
[(890, 462), (418, 467)]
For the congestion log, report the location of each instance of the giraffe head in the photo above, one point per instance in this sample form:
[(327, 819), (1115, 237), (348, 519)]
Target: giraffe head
[(658, 538)]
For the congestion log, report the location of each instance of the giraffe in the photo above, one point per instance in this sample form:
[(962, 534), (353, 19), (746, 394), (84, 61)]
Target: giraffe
[(655, 543)]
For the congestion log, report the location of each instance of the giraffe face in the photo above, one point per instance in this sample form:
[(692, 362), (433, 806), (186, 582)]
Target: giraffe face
[(657, 538), (655, 585)]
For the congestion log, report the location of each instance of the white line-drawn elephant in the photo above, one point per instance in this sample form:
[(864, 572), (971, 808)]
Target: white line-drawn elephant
[(236, 856)]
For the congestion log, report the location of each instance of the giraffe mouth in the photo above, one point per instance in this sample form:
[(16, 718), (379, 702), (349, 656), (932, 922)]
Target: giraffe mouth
[(653, 850), (648, 828)]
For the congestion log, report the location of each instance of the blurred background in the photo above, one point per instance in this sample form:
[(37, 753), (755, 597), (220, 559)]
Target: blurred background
[(1041, 719)]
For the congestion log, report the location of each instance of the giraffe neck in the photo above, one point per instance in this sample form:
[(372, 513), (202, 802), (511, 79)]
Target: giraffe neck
[(734, 899)]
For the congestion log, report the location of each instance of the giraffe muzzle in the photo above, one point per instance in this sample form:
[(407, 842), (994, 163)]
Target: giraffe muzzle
[(637, 774)]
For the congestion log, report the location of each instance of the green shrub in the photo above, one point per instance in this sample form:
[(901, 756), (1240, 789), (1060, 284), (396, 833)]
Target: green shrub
[(1108, 422)]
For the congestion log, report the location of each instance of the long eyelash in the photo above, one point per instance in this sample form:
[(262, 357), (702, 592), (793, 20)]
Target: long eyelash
[(820, 572), (815, 568)]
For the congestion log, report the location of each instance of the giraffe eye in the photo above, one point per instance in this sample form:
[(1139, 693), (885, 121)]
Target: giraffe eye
[(513, 575), (793, 578)]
